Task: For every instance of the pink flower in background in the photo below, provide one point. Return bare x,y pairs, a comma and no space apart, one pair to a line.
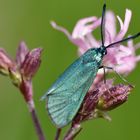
22,70
121,58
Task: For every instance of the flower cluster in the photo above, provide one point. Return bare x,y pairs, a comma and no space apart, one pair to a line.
22,69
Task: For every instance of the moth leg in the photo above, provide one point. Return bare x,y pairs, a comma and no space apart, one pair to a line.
120,76
110,68
104,67
104,73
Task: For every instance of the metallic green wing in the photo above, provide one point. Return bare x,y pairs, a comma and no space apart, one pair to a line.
68,92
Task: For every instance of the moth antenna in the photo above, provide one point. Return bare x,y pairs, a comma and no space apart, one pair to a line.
102,24
123,40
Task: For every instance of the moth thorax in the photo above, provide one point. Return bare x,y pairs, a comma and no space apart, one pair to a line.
98,57
100,53
102,50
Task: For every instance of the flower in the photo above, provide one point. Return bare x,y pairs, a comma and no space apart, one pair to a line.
122,58
97,103
103,98
31,63
22,70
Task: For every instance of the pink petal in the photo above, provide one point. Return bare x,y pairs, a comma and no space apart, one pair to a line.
31,63
5,62
81,42
124,26
126,50
59,28
108,38
126,65
82,36
121,22
110,24
131,46
94,43
21,53
110,58
85,26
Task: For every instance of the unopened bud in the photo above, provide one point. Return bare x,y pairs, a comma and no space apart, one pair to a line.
31,63
5,62
100,100
21,53
114,97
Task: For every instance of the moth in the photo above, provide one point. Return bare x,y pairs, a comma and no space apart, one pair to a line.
65,96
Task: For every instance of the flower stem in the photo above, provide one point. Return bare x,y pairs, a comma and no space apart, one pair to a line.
58,132
36,121
37,125
27,91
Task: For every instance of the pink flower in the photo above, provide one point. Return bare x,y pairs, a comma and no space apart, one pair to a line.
121,58
22,70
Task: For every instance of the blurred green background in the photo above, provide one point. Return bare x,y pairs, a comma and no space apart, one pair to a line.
29,20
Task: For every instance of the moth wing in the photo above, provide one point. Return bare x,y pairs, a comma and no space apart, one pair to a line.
67,93
70,71
65,101
63,107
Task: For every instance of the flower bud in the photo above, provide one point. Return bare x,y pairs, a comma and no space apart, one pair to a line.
103,98
31,63
21,53
114,97
5,62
